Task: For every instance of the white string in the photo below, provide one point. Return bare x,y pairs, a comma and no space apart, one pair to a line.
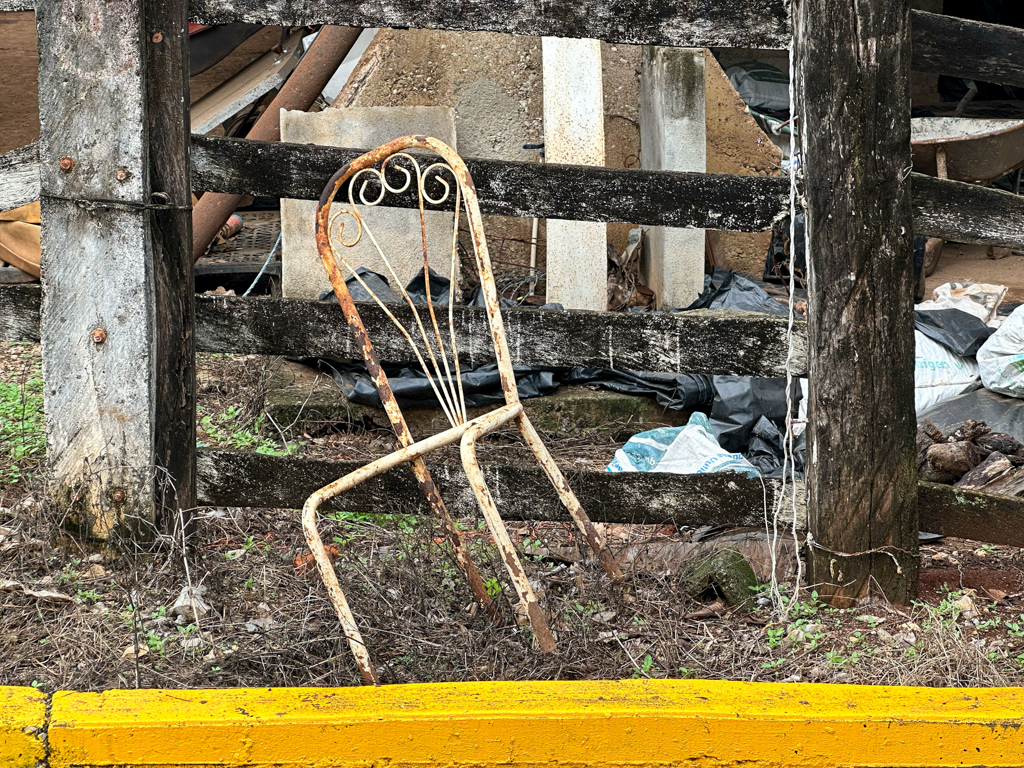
788,464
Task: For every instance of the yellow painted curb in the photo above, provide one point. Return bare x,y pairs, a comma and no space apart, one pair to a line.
22,727
572,724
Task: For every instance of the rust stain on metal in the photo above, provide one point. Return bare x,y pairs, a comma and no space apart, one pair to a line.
447,388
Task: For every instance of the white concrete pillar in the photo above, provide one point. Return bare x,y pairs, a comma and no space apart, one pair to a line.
577,257
673,138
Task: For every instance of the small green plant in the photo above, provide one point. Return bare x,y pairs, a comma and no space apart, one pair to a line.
836,659
646,667
775,636
225,430
773,664
90,596
22,439
155,642
493,587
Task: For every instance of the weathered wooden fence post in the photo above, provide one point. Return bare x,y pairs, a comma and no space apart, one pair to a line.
853,92
118,297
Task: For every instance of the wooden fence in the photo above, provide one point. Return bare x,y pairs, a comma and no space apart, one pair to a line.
115,165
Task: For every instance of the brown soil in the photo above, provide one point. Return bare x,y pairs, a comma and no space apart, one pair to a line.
969,263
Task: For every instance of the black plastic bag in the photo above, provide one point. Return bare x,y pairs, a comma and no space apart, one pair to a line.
740,402
955,329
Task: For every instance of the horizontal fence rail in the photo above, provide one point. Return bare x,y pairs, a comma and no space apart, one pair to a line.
702,341
947,45
695,24
942,208
235,479
954,210
506,188
944,45
19,176
967,213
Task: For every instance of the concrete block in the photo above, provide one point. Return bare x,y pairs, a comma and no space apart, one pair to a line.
673,138
397,231
577,257
298,394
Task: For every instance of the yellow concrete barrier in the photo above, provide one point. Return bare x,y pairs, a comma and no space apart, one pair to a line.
635,723
22,726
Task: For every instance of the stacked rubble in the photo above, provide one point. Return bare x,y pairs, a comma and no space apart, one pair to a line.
971,456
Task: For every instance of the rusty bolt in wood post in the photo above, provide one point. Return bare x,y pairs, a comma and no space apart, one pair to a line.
122,175
158,37
66,164
119,495
99,336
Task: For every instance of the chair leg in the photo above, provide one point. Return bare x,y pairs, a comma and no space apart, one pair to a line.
538,623
595,539
334,591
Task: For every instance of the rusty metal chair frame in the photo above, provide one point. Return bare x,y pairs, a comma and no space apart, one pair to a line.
444,378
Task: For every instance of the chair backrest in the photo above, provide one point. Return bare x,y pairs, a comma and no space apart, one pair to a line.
365,182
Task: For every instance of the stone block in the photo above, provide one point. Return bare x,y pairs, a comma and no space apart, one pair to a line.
397,231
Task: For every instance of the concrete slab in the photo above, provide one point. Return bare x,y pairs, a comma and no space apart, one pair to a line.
396,230
297,393
577,256
673,138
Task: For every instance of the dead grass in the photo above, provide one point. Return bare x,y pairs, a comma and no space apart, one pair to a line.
73,616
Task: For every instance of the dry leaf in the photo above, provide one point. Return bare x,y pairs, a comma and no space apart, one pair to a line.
7,585
129,652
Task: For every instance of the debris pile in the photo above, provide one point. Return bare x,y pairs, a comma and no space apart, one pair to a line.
971,456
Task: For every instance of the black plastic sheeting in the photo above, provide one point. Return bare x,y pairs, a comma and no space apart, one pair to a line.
766,450
482,385
999,412
725,289
955,329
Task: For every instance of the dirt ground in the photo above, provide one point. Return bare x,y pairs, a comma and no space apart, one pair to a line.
969,263
74,615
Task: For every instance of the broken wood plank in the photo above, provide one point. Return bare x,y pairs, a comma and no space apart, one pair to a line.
583,193
852,63
974,50
522,492
703,341
19,177
697,24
